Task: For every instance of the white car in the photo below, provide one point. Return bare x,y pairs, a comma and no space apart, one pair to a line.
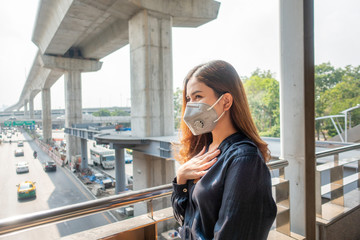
19,152
22,167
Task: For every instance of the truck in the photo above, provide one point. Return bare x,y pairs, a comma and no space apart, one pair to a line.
103,157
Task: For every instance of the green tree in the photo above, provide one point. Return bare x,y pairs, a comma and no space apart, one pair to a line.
263,96
119,112
335,90
326,77
102,113
344,95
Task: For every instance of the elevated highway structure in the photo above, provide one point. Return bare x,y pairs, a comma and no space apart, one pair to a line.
72,37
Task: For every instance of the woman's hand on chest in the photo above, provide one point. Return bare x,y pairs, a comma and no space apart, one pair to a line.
197,167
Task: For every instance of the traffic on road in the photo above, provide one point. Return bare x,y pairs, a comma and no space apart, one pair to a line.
30,183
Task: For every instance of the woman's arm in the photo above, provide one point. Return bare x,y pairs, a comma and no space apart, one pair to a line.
179,199
247,209
191,170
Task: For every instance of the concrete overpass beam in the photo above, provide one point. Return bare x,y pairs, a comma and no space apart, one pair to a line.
186,13
151,74
70,64
113,37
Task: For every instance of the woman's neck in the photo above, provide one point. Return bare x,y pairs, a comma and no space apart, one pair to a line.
222,130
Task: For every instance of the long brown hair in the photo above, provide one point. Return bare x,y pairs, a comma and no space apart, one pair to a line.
222,78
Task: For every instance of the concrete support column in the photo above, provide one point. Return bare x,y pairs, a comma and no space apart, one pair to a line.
120,175
150,171
26,108
73,110
46,114
73,104
151,74
151,94
73,101
297,111
31,108
84,154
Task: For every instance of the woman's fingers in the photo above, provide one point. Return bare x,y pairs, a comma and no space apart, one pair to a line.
210,155
207,165
199,165
200,174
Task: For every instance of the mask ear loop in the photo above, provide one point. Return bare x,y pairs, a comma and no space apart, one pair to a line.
219,117
215,102
214,105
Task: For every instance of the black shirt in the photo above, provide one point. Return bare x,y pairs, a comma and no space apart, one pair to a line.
233,200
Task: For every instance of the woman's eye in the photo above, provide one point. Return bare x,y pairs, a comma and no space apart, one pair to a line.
197,97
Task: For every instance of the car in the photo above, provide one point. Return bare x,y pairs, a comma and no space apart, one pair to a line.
19,152
49,166
22,167
20,144
26,189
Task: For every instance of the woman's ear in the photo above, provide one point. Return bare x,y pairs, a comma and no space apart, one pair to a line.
228,101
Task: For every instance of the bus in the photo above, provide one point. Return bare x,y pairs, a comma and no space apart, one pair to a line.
103,157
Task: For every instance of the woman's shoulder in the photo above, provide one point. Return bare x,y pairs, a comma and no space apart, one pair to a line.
242,149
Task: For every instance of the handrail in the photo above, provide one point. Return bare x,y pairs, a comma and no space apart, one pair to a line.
56,215
337,150
276,164
60,214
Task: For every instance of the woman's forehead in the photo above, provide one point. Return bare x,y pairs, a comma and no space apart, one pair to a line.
195,85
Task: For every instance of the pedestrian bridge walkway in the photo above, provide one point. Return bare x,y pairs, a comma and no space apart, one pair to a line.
337,210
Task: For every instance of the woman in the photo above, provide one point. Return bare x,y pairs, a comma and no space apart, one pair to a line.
222,190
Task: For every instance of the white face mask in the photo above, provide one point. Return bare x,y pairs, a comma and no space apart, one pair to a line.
200,117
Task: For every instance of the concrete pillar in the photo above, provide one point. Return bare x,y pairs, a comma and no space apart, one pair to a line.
25,108
151,74
73,106
46,114
297,111
150,171
73,110
84,154
151,94
120,175
31,108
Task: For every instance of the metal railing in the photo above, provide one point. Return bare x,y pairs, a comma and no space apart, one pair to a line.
336,151
337,180
57,215
281,195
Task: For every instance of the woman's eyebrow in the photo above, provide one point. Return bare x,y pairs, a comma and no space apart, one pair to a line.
193,93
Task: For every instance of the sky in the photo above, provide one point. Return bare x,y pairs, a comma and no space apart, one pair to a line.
246,34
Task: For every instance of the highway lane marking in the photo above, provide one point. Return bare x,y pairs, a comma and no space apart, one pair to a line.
82,191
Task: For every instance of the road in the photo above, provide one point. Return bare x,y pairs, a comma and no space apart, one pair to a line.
54,189
59,134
